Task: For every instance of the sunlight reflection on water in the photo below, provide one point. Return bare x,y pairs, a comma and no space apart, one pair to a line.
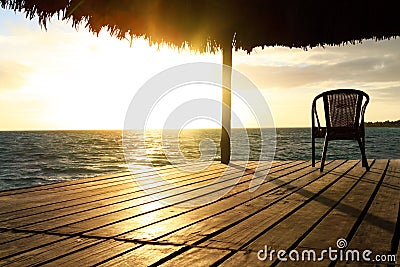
34,158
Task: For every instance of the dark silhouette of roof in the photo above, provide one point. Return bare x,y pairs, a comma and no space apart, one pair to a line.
208,24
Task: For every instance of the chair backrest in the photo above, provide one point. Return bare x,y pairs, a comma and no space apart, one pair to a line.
344,107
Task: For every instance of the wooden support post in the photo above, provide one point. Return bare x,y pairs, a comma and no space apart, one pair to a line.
226,103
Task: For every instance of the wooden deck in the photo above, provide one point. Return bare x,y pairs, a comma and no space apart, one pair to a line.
111,221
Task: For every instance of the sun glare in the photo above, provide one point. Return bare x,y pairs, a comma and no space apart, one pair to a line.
64,78
101,88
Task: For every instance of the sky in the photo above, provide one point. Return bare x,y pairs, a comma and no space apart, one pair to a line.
67,78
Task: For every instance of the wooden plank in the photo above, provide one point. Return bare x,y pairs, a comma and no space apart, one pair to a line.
248,258
44,212
283,201
171,218
235,232
8,236
144,255
66,186
382,216
120,190
284,235
58,211
69,207
164,213
379,225
96,179
99,251
224,209
26,244
194,257
68,192
49,253
10,202
61,184
339,222
213,228
346,213
93,219
296,204
16,202
292,229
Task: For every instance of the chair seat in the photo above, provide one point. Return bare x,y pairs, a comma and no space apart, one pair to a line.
319,132
339,133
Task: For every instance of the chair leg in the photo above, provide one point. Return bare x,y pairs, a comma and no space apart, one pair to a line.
361,144
324,154
313,152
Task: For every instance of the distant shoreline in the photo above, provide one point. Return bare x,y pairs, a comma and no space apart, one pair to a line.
384,124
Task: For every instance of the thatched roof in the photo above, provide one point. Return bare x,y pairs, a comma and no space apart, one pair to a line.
208,24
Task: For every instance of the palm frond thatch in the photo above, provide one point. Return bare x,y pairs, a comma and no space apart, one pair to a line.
208,24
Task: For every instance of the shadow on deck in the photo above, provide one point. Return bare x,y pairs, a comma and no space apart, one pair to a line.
112,221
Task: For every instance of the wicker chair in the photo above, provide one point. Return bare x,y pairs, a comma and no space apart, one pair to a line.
344,116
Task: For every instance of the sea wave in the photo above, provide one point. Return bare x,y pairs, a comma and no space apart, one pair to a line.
40,157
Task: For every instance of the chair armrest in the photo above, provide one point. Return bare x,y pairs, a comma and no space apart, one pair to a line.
314,114
364,107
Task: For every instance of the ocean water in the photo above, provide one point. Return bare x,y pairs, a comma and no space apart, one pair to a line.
41,157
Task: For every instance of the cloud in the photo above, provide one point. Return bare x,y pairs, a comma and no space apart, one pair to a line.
12,75
368,69
390,94
361,64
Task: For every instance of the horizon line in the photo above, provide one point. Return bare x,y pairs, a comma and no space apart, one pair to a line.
211,128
